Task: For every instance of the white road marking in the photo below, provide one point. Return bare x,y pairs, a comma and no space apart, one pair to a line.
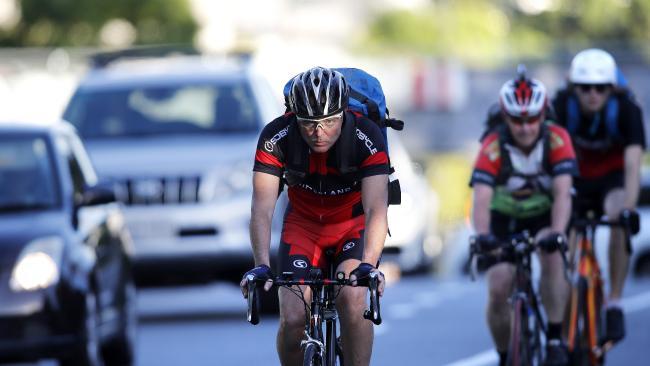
484,358
630,305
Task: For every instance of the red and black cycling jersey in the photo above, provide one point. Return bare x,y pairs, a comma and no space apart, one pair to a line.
598,153
559,159
324,195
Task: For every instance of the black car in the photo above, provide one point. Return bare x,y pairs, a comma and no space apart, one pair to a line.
66,289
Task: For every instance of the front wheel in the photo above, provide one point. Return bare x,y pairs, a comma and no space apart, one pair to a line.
519,352
312,356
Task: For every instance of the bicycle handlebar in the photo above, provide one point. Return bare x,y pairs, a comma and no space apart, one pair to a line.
252,316
584,223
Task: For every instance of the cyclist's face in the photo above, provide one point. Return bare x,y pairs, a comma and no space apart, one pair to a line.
321,134
524,130
592,97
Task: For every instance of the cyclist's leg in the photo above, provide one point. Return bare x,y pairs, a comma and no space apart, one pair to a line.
356,332
618,255
500,278
618,267
297,253
554,288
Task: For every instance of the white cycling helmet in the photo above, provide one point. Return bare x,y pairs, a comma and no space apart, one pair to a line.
593,66
523,97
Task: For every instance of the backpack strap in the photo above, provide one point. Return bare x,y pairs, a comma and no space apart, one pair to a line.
572,114
297,156
611,118
371,107
346,152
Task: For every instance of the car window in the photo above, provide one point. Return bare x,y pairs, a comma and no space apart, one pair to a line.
158,110
27,179
76,166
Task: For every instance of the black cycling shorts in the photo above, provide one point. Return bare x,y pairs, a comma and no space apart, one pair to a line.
591,193
504,227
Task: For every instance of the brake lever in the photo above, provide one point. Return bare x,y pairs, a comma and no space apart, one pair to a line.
252,315
373,313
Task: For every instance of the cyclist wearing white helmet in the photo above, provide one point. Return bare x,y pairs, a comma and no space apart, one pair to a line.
330,209
606,126
521,181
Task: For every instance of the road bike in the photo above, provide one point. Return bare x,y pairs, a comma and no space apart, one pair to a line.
586,333
528,320
320,348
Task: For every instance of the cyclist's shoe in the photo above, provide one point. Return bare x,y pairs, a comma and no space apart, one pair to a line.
557,353
615,322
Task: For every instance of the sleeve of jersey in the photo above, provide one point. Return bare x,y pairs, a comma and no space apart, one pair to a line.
374,158
562,157
634,133
268,156
488,162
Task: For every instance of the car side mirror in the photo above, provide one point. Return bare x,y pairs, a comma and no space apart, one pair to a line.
98,195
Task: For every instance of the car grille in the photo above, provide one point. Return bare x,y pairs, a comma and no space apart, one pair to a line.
157,190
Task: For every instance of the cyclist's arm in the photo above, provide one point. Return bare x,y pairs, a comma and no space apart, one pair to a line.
265,195
561,210
374,197
632,160
482,197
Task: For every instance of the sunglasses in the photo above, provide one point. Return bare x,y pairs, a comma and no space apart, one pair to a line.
519,121
311,125
586,88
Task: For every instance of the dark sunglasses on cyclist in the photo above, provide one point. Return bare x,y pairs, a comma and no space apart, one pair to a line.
586,88
531,120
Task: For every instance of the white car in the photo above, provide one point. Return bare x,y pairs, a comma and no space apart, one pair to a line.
413,243
177,137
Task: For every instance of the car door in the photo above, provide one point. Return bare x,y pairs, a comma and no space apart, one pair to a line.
92,225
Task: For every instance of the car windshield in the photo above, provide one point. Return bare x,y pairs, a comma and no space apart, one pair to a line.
27,179
159,110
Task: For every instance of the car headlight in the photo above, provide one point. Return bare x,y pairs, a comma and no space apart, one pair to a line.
227,182
38,264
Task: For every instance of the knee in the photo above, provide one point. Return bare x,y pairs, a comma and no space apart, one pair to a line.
351,304
498,294
291,322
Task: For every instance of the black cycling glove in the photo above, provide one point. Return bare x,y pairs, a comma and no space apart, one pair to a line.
630,220
552,242
261,273
485,243
362,273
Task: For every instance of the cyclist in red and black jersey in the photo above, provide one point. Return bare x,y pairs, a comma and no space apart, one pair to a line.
522,180
606,126
336,167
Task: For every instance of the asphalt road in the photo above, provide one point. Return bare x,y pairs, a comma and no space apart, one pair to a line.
427,322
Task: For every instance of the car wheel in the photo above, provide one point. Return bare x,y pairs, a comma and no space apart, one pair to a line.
87,352
120,351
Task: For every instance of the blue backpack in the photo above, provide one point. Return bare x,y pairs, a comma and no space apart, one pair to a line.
366,97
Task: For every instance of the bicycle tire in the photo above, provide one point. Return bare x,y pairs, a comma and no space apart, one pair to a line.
312,356
519,340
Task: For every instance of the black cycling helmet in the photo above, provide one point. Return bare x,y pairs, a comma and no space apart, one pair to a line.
317,93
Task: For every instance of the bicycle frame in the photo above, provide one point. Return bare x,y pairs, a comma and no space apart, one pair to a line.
526,307
321,311
586,296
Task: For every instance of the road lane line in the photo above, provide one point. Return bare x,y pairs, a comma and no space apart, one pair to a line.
630,304
484,358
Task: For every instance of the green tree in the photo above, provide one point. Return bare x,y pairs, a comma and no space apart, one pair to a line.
78,23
